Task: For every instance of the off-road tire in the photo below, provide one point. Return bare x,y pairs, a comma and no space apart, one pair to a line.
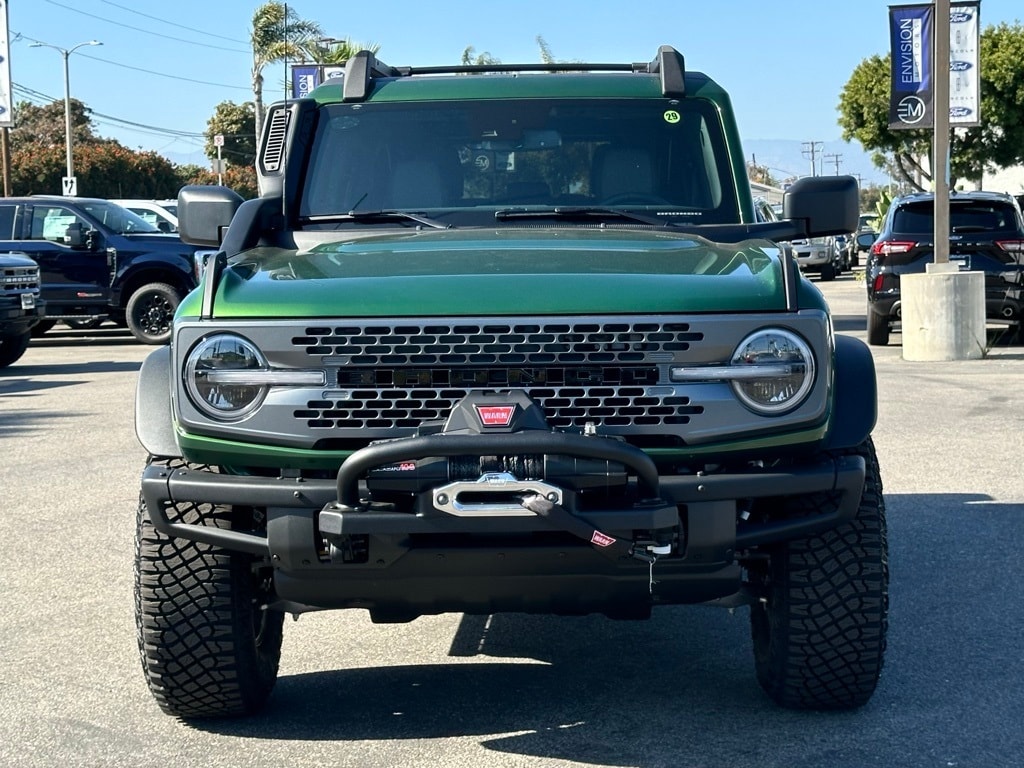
878,329
819,629
12,347
150,311
208,648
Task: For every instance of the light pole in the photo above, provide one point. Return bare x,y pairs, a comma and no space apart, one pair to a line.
66,53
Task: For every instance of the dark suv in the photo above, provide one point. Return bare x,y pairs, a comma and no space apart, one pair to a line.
98,261
20,307
986,234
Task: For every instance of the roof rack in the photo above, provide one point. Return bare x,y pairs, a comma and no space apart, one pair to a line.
364,67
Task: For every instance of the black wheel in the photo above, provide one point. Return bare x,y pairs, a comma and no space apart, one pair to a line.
209,647
878,329
819,627
12,347
150,311
828,272
42,327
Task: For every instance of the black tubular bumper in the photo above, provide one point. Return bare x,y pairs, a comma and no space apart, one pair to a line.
708,503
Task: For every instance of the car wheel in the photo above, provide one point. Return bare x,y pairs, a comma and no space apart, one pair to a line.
878,329
828,272
819,627
209,646
150,311
42,327
12,347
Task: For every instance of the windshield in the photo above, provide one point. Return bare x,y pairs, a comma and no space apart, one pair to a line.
119,219
465,158
964,216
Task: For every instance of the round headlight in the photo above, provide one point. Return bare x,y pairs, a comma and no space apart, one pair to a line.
212,376
781,371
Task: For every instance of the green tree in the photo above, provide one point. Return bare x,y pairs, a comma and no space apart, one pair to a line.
336,51
278,34
471,58
241,178
237,124
44,125
104,168
997,143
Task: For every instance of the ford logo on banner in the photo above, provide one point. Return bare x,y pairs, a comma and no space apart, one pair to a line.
960,17
960,111
959,66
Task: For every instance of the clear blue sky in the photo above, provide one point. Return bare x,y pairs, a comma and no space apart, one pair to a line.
165,66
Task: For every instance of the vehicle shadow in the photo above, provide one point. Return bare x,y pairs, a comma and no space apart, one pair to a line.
680,690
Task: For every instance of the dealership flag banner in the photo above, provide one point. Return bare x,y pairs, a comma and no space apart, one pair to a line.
6,105
964,66
306,77
911,29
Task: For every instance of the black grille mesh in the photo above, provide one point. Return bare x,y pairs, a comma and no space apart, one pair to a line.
395,377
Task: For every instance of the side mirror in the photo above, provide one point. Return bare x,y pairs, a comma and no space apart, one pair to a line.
78,237
828,204
865,240
204,213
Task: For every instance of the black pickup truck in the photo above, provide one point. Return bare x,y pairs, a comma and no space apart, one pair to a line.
99,261
20,307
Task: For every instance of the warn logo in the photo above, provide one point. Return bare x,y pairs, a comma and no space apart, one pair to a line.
495,415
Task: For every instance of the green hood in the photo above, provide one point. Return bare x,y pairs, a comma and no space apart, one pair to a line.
502,272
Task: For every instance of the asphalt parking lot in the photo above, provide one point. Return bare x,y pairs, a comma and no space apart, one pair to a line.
513,690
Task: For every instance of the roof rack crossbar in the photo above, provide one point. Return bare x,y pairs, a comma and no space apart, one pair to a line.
362,68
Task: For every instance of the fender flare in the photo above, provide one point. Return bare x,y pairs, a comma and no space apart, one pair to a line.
855,409
154,422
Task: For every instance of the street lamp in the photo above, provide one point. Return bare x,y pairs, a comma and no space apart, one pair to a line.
66,53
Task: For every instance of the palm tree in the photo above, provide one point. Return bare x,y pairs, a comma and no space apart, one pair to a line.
336,52
278,34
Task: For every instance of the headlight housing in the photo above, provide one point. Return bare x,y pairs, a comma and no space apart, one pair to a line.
774,371
219,376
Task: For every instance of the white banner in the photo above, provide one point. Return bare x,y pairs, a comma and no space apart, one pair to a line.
6,104
964,65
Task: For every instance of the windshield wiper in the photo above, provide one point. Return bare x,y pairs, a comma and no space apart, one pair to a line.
578,212
383,215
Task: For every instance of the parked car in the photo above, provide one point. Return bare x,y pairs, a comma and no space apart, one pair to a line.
816,256
868,224
20,306
844,253
162,214
986,234
99,261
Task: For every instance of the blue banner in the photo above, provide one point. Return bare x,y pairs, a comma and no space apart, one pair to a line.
304,80
911,30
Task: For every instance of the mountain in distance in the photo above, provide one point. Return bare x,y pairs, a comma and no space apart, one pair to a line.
786,159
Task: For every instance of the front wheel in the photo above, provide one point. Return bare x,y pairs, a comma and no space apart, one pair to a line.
819,627
12,347
150,311
209,645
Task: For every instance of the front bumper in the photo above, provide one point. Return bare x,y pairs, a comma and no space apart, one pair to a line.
439,559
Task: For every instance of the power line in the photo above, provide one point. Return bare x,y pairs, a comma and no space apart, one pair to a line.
172,24
146,31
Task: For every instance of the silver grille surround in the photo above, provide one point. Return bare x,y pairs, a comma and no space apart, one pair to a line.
386,377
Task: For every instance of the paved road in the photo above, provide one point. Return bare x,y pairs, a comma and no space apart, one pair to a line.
676,691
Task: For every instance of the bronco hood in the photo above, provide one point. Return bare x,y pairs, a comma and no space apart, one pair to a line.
503,272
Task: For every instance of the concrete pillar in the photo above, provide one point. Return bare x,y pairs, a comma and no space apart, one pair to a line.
943,314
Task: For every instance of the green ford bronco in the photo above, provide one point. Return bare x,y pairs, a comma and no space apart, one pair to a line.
507,338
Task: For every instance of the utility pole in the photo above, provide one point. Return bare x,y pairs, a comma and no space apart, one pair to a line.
810,150
833,158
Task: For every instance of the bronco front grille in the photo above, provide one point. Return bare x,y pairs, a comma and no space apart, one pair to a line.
15,280
395,377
